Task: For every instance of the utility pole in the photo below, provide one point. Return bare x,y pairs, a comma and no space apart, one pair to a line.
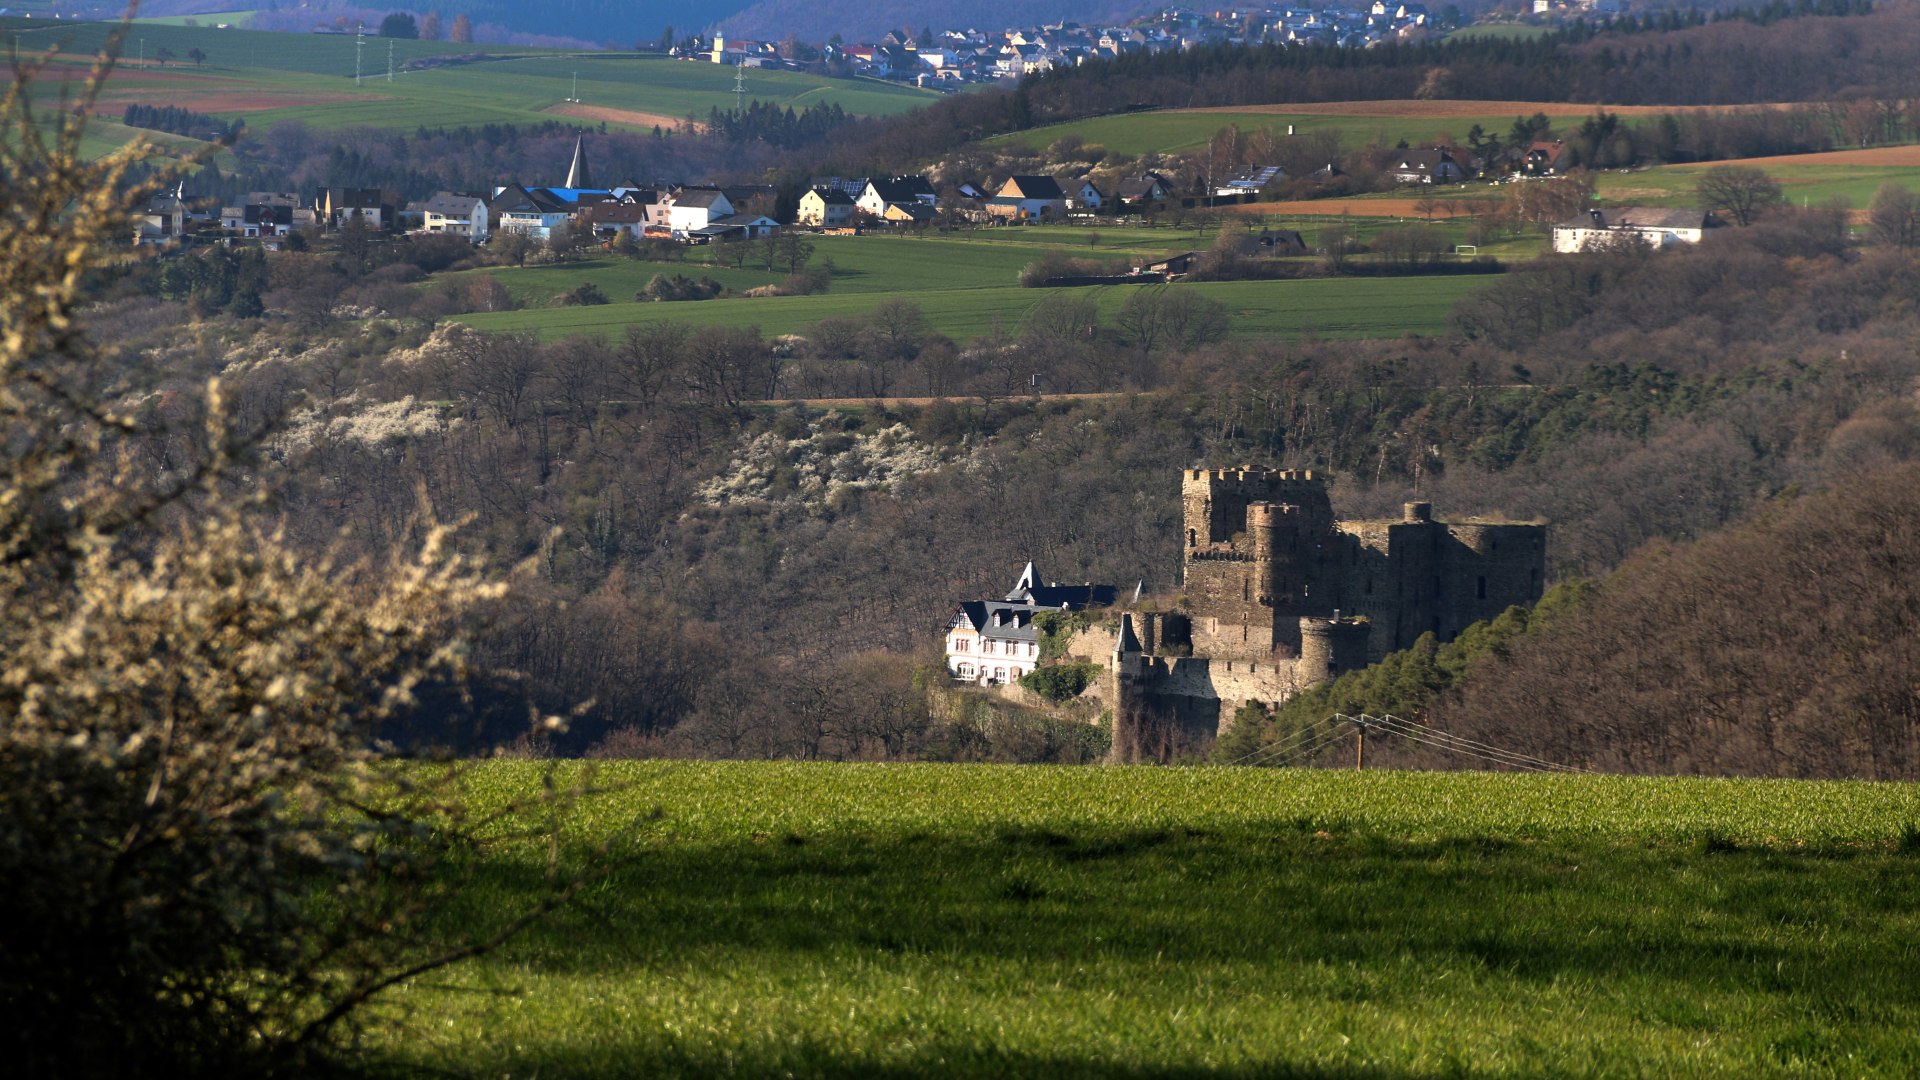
1360,744
359,52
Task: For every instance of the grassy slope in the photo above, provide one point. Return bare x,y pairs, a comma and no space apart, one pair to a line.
1673,185
1180,132
1341,307
906,920
512,91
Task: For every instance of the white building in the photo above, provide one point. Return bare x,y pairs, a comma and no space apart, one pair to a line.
1657,226
995,642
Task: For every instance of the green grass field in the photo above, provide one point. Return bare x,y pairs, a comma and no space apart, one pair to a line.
1333,307
1174,132
875,920
1673,185
269,77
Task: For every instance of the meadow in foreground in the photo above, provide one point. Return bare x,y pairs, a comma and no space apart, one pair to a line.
834,920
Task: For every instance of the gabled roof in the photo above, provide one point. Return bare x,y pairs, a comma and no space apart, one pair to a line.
699,197
448,204
833,196
1139,187
1035,187
901,188
1639,217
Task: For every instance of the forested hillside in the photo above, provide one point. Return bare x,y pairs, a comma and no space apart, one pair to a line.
1775,56
741,579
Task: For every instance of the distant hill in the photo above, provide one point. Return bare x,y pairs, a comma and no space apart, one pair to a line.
596,21
599,21
771,19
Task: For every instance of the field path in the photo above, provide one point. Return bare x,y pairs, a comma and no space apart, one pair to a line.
616,116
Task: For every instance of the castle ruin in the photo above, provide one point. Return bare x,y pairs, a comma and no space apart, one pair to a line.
1279,595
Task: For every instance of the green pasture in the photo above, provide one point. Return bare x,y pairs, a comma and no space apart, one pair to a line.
518,86
317,54
759,919
211,18
1179,132
1330,307
1674,185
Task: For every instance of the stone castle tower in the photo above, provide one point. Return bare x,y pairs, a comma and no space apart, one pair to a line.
1278,595
1263,551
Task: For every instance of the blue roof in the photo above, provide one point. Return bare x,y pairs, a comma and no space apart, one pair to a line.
572,195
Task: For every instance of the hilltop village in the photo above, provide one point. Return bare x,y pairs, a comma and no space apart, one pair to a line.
955,57
1276,595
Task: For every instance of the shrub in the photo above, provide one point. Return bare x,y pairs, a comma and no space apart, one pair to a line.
1060,682
209,867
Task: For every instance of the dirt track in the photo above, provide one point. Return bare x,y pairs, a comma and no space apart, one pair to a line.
1876,155
616,116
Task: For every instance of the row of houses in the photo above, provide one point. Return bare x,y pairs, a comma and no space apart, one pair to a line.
834,201
972,55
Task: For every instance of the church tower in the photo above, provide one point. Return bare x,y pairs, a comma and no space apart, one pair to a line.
577,175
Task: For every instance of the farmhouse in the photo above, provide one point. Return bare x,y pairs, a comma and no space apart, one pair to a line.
455,214
883,192
1029,198
1435,166
829,208
1658,226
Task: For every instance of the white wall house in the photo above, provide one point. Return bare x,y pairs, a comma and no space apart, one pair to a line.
1657,226
693,209
457,215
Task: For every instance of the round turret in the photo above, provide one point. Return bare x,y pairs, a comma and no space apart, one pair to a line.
1329,647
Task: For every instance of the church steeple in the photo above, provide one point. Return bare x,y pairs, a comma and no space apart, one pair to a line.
577,175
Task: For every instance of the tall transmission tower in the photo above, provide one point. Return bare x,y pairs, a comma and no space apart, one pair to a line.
740,88
359,52
389,59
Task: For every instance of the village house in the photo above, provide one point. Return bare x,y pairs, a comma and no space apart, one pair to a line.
1435,166
1088,196
164,220
691,209
455,214
1658,226
1029,198
536,212
1137,192
334,207
826,208
884,191
995,642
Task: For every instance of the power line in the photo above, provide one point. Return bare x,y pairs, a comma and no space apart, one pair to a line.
1442,740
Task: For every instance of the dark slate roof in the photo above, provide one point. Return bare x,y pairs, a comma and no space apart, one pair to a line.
833,196
902,188
1639,217
1038,187
1015,620
699,197
1138,187
448,204
1071,597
